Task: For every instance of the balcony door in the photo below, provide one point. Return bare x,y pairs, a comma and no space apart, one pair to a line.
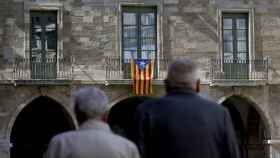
235,46
139,35
43,44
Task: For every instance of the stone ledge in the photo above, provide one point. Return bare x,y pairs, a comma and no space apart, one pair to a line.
159,82
129,82
238,83
36,82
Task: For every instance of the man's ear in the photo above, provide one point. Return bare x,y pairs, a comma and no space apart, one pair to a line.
81,117
198,86
104,117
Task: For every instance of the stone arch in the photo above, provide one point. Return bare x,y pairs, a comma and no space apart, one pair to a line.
115,101
250,123
60,100
264,116
27,110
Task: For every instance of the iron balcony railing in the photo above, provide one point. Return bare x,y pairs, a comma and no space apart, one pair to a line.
117,69
48,69
239,70
220,70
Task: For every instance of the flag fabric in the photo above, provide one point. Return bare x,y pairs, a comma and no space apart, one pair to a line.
142,74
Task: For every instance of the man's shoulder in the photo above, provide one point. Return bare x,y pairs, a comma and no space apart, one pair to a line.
213,106
64,135
122,140
147,104
208,101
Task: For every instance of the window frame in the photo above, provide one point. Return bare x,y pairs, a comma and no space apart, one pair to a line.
139,10
43,6
234,29
251,32
43,36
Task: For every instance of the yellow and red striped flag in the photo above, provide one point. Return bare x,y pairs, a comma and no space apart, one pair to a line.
142,74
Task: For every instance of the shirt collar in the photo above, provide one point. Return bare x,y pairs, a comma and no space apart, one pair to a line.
181,91
95,125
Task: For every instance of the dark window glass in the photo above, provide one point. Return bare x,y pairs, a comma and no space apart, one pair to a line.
43,34
43,44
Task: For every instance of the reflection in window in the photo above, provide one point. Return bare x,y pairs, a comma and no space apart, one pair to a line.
148,19
228,46
228,56
50,39
36,42
241,46
241,56
227,24
235,36
242,35
139,33
228,35
43,34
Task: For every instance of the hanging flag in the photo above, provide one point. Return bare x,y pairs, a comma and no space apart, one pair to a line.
142,75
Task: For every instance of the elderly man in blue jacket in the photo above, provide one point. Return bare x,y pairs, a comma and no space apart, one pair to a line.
182,124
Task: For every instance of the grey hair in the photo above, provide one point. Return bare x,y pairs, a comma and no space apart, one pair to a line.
182,73
91,101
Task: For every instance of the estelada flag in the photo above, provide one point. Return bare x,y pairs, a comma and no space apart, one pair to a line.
142,71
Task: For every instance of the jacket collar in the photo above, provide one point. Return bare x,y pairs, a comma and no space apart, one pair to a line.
176,91
95,125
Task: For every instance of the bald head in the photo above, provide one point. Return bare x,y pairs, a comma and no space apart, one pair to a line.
183,73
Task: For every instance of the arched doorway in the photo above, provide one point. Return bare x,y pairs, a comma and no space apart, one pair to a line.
35,125
249,127
121,115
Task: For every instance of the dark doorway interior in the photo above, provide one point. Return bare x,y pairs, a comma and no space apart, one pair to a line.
36,124
122,114
248,126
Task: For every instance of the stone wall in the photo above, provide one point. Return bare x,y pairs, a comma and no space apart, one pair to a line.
91,30
263,98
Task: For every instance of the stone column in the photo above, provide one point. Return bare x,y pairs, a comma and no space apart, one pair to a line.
5,146
274,148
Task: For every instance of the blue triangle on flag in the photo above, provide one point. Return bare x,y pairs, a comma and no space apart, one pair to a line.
142,63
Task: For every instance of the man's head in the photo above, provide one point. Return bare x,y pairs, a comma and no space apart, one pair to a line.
90,103
183,73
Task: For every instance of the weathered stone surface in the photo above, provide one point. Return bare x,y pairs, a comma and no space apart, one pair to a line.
171,1
91,30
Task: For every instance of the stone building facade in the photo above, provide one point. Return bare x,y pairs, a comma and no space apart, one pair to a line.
49,48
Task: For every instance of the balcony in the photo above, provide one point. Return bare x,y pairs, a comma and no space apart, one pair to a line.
119,72
49,71
222,72
239,72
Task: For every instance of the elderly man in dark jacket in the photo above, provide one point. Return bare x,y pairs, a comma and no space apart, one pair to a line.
182,124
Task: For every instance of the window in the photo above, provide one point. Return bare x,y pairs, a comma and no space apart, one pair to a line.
235,36
139,35
43,44
235,46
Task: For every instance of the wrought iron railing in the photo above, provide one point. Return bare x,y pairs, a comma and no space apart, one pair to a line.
239,70
48,69
117,69
220,70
